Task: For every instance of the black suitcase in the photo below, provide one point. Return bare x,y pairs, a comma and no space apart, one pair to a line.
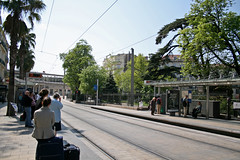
71,152
51,149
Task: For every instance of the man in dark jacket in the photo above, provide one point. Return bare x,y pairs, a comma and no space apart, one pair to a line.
185,105
26,102
153,105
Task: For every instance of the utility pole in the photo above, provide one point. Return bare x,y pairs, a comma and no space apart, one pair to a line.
97,94
132,78
64,88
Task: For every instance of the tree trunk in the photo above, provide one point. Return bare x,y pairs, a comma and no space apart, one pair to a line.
11,93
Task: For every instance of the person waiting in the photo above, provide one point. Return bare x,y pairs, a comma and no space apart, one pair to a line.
56,106
26,102
197,110
185,106
44,120
43,93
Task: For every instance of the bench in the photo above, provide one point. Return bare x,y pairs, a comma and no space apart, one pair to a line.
172,112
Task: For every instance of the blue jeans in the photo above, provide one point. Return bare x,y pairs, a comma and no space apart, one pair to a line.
28,121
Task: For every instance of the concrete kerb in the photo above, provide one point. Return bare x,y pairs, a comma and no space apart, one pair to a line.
190,126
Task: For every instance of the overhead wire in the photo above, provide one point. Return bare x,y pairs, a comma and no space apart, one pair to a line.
114,52
53,54
88,30
81,34
92,25
47,26
135,43
130,45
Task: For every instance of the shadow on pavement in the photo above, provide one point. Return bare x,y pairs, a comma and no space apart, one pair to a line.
78,133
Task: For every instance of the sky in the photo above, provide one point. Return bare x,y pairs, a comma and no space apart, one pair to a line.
127,24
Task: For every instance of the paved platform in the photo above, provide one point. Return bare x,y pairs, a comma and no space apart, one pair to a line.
213,125
16,141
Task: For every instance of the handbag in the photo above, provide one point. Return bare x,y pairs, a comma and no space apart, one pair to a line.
23,116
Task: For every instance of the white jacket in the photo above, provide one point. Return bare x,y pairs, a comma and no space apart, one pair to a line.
56,106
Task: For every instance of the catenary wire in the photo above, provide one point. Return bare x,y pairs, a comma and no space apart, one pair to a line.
92,25
135,43
47,26
114,51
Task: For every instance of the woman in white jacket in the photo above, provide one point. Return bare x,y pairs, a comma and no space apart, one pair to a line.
56,106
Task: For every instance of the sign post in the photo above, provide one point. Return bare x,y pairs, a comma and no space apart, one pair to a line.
96,89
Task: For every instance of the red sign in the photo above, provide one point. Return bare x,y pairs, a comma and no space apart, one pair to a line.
35,75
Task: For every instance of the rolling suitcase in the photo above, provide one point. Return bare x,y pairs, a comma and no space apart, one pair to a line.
71,152
51,149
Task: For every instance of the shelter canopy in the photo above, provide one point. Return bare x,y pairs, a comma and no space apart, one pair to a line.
204,82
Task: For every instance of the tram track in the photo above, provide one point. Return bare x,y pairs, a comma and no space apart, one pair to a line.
136,145
108,155
116,136
160,131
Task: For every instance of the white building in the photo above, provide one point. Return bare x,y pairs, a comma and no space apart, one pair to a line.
3,54
117,62
39,80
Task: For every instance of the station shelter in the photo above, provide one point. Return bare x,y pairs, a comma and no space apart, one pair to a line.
174,97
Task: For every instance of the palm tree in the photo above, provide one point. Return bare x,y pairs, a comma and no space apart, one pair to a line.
29,58
27,41
14,25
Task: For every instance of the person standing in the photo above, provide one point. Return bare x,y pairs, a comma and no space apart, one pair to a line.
33,104
20,107
26,102
44,120
56,106
185,105
159,104
43,93
153,105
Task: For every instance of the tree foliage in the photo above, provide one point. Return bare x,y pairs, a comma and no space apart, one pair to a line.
88,78
110,86
158,68
123,80
212,37
25,57
76,60
15,25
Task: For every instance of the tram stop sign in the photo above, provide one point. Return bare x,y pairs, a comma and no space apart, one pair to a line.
95,87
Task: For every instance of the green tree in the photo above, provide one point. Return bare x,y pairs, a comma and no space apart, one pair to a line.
111,89
75,61
25,52
29,58
88,78
157,68
123,80
14,25
110,86
213,37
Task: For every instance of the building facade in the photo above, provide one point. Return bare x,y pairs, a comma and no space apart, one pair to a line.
117,62
39,80
3,55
